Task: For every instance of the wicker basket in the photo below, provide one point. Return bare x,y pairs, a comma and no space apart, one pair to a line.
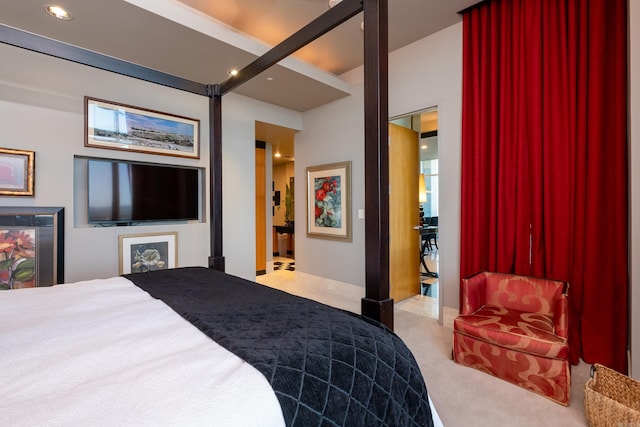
611,399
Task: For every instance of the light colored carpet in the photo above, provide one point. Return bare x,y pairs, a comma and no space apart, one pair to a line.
462,396
467,397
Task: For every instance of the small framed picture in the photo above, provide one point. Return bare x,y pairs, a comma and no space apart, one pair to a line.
32,242
329,201
140,253
16,172
124,127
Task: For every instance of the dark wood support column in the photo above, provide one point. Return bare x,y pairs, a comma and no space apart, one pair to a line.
216,259
376,304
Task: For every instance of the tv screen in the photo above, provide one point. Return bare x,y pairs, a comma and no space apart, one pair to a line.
127,192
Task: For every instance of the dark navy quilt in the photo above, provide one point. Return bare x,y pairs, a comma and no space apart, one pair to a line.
328,367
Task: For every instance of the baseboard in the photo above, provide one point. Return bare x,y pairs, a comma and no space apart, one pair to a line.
448,316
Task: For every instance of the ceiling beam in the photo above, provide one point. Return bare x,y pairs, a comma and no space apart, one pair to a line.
47,46
316,28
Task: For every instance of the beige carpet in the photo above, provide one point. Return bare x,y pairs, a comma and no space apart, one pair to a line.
462,396
466,397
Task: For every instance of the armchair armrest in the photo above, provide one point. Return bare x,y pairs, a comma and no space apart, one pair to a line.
561,314
472,293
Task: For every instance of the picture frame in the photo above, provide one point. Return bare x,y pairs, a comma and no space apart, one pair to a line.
125,127
140,253
33,239
329,201
17,172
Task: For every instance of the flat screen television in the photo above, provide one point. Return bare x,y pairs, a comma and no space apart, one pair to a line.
122,192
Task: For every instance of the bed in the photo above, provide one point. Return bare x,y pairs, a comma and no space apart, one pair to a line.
194,346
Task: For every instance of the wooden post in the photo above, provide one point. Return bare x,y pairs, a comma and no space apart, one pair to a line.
216,259
376,304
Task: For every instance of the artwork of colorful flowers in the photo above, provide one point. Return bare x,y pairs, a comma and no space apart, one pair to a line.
328,202
17,258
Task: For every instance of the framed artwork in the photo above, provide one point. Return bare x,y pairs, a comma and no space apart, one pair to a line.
124,127
31,247
329,201
16,172
140,253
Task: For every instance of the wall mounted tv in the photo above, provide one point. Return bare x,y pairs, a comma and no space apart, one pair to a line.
125,193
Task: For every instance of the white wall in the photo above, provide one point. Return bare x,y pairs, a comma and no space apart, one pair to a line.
425,74
332,133
634,163
239,115
42,109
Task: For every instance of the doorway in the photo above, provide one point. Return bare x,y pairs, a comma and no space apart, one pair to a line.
427,295
275,230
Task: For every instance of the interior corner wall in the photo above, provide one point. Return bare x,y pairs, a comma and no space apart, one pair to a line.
634,166
424,74
42,109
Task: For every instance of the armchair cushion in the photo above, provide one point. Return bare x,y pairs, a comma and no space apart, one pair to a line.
529,332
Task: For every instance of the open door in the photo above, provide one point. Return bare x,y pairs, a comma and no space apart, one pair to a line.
404,236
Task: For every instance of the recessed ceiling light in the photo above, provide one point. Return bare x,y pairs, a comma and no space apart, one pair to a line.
58,12
232,72
269,79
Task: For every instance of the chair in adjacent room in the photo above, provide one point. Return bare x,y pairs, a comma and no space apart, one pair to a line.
432,236
516,328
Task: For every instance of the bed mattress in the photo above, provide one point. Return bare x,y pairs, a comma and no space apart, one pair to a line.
194,346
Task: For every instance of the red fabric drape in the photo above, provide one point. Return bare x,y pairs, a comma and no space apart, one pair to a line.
544,156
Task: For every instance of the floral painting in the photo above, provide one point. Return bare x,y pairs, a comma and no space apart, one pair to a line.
329,201
31,246
149,256
17,258
141,253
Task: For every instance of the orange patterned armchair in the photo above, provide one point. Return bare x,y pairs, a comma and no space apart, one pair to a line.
516,328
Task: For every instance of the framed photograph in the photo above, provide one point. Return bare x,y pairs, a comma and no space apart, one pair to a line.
140,253
329,201
16,172
124,127
31,247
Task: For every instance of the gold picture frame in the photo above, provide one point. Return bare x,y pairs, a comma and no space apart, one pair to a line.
17,172
329,201
140,253
125,127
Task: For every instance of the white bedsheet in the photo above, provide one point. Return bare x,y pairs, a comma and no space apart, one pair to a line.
103,353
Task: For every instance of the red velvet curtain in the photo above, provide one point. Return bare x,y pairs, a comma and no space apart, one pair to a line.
544,157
